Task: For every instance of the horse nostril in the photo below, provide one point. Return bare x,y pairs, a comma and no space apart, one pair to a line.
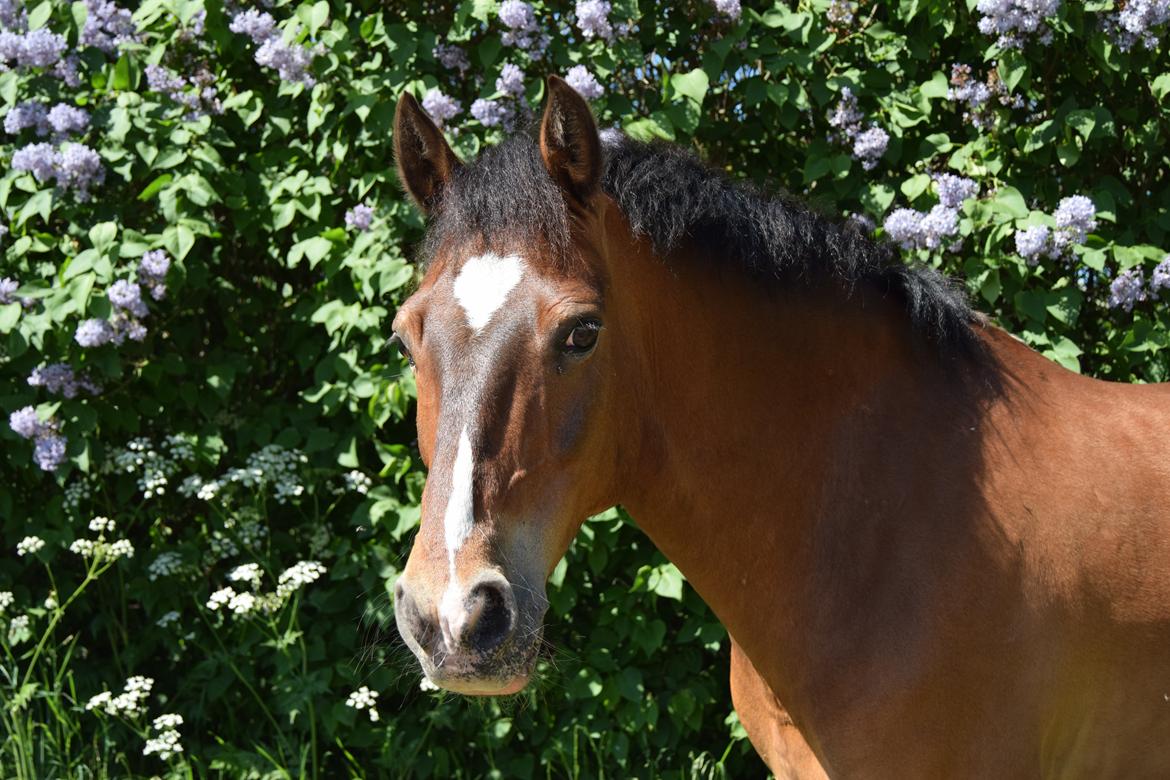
491,615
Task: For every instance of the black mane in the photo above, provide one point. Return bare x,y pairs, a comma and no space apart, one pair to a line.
672,198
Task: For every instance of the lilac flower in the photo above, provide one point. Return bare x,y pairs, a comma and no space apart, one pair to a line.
360,217
56,378
80,168
126,327
257,25
1135,23
1014,21
127,295
522,31
841,12
24,422
1075,216
106,26
904,226
939,223
40,49
290,61
64,119
870,145
28,113
517,15
1127,289
13,16
8,287
94,333
729,8
1032,243
451,57
41,160
511,80
440,106
1161,278
977,96
489,112
152,271
49,451
580,79
953,190
846,116
67,70
593,19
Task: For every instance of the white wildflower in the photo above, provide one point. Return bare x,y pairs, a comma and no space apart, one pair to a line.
248,572
29,545
101,524
364,699
220,598
167,619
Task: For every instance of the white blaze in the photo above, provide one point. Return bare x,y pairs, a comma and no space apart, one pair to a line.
483,285
457,521
461,502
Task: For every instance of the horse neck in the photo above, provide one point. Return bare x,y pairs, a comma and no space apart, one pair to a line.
769,425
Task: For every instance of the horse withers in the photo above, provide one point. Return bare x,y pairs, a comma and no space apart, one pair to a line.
937,553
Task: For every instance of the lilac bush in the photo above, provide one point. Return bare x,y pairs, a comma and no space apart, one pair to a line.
209,464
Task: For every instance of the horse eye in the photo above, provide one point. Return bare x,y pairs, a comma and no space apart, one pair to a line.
402,350
582,338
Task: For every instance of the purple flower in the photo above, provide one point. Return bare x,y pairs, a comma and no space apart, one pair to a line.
290,61
67,70
257,25
64,119
593,19
1032,243
152,271
13,16
1014,21
80,168
904,226
40,49
1161,278
870,145
440,106
841,13
93,333
56,378
729,8
489,112
953,190
1127,289
41,160
1076,216
1135,23
517,15
27,114
939,223
128,328
106,26
8,287
451,57
511,80
846,116
360,217
127,295
580,79
49,451
24,423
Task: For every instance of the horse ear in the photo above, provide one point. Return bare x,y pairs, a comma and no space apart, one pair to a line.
569,142
425,161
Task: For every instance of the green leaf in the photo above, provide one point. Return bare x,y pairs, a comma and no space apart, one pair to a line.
152,189
38,16
1009,202
915,185
692,85
667,581
102,235
1161,86
650,128
9,316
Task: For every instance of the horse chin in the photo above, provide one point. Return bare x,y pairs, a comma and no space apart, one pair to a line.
488,687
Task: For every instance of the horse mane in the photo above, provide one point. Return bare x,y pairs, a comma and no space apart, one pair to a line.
673,199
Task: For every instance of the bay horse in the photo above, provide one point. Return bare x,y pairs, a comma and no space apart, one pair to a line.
937,553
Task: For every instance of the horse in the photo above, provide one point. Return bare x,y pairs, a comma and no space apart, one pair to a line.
936,552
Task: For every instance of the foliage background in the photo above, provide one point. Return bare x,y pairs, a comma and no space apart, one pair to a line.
274,331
